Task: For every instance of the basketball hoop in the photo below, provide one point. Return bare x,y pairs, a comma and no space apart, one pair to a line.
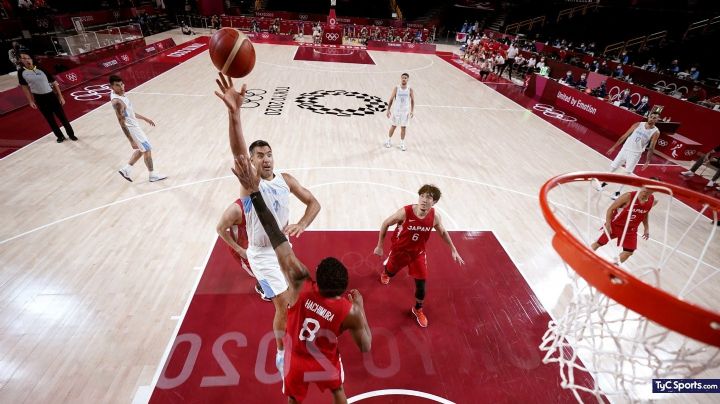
648,318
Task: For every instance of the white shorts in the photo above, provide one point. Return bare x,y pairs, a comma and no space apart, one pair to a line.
265,266
630,159
140,139
400,118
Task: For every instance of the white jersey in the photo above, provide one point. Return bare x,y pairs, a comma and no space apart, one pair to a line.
130,119
402,99
276,194
639,139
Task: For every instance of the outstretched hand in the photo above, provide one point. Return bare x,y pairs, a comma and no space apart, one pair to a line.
355,297
246,174
232,98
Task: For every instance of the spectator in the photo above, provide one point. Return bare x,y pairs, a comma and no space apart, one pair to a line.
485,68
540,64
43,93
624,99
643,106
697,94
568,79
520,64
512,53
604,68
14,55
530,67
650,65
674,67
694,73
464,27
600,91
499,64
618,72
186,30
582,83
624,58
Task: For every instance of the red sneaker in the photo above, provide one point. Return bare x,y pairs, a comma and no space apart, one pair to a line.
420,317
384,278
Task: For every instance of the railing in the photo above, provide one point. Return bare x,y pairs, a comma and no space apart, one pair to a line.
570,12
640,41
91,40
529,23
703,25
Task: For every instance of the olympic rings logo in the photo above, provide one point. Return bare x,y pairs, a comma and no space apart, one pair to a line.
551,112
91,93
615,94
690,152
265,35
332,36
252,98
125,57
662,142
72,77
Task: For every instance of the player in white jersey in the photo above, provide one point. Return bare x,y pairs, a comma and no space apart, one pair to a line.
635,141
128,119
276,190
400,109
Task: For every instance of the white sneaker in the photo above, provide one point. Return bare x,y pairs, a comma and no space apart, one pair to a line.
157,177
596,184
710,184
125,174
388,144
687,173
615,196
402,147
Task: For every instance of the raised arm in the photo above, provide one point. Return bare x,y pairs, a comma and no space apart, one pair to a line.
356,322
233,101
446,238
395,218
294,270
312,206
232,216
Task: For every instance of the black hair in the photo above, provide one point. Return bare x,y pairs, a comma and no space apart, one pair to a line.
258,143
405,74
332,277
432,190
24,51
115,79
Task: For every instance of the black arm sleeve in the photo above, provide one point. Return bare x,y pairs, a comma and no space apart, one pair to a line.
21,79
268,220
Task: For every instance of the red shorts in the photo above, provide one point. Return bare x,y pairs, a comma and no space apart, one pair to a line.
244,264
301,372
616,232
416,263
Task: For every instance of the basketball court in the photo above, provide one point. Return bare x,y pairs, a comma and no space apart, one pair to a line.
121,292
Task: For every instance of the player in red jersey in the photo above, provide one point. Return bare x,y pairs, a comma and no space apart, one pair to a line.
617,225
318,311
231,228
414,224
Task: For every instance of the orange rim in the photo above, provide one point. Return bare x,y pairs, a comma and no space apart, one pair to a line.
655,304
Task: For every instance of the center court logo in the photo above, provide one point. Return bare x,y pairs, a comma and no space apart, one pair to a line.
551,112
91,93
332,36
311,102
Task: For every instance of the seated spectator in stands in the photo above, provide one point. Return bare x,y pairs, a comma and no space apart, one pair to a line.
604,68
618,72
697,94
530,66
545,71
254,26
499,64
418,36
568,79
694,73
215,22
406,36
650,65
594,66
486,66
674,67
628,79
520,64
624,99
464,27
643,106
540,64
582,83
624,58
600,91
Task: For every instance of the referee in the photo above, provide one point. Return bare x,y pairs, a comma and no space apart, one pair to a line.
43,93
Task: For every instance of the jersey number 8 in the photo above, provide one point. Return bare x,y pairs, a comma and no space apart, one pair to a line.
311,332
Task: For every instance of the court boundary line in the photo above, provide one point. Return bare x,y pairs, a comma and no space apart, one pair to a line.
398,392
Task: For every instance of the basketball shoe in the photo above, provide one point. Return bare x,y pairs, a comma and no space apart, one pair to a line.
388,144
125,172
154,176
420,317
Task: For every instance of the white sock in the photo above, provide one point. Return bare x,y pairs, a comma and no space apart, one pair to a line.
127,168
152,173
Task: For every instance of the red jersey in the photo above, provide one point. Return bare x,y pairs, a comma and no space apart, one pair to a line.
411,235
315,321
639,212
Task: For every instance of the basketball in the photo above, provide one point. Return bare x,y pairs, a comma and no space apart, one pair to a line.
232,52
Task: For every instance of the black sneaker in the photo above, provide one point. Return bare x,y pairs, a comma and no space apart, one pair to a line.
73,138
60,139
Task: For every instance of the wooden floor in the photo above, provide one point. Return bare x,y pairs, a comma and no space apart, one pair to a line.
96,270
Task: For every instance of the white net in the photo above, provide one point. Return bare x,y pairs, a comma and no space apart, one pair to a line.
621,349
92,40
